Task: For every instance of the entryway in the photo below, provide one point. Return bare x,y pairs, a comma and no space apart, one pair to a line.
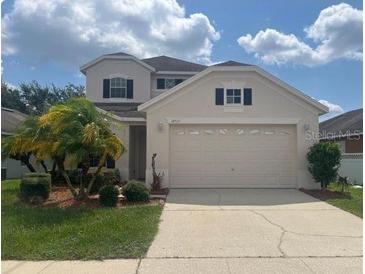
137,152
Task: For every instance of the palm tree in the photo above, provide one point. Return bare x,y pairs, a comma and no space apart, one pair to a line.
78,129
21,146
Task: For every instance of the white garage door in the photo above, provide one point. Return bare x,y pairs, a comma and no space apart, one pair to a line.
232,156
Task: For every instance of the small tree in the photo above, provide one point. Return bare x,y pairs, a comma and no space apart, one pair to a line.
76,130
324,161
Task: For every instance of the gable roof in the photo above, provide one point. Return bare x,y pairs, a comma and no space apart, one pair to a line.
120,53
10,120
166,63
347,123
231,63
309,100
159,63
113,56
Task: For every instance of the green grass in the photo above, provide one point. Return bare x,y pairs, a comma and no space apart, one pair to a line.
35,233
352,203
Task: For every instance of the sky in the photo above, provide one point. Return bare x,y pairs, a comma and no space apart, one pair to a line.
315,46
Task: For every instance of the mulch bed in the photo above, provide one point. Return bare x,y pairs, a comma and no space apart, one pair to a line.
325,194
61,197
163,191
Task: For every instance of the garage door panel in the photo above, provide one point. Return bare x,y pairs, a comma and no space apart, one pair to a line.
187,156
233,156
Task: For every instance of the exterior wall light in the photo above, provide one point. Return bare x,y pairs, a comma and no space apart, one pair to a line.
306,127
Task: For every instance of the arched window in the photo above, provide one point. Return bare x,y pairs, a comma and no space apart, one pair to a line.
118,87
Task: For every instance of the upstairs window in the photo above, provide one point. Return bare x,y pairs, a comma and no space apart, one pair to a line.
247,96
167,83
118,87
233,96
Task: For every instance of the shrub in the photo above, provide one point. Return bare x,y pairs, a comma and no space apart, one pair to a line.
35,187
106,177
343,183
108,195
136,192
324,161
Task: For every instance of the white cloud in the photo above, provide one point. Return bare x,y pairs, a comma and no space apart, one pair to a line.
333,111
337,33
333,108
73,32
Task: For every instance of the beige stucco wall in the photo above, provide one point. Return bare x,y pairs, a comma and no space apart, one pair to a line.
125,68
197,101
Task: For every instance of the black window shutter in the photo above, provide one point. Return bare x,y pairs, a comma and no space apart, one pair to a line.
160,83
247,96
178,81
106,88
219,96
130,88
110,162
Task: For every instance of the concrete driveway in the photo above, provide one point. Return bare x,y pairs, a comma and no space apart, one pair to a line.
253,231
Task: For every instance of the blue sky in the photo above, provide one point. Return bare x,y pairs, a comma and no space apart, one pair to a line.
48,42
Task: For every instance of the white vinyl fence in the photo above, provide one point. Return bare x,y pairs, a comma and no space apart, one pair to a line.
351,167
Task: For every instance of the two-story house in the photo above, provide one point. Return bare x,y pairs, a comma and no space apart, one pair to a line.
228,125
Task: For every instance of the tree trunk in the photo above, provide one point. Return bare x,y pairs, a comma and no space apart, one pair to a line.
92,181
25,160
85,165
54,166
61,168
44,167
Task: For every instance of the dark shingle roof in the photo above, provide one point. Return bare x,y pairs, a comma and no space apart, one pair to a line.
347,123
165,63
10,120
231,63
122,109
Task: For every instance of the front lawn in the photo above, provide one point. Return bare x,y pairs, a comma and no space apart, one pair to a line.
36,233
351,202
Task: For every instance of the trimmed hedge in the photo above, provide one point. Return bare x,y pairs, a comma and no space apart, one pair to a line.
108,196
136,192
35,187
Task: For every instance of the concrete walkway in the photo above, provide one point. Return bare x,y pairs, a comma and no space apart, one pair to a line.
237,231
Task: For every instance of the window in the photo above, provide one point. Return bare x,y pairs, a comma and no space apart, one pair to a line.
160,83
167,83
247,96
110,162
233,96
94,160
118,87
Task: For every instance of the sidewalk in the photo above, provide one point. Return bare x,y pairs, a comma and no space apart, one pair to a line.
192,265
120,266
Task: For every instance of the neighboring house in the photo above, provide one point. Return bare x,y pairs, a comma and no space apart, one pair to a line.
346,130
228,125
10,120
